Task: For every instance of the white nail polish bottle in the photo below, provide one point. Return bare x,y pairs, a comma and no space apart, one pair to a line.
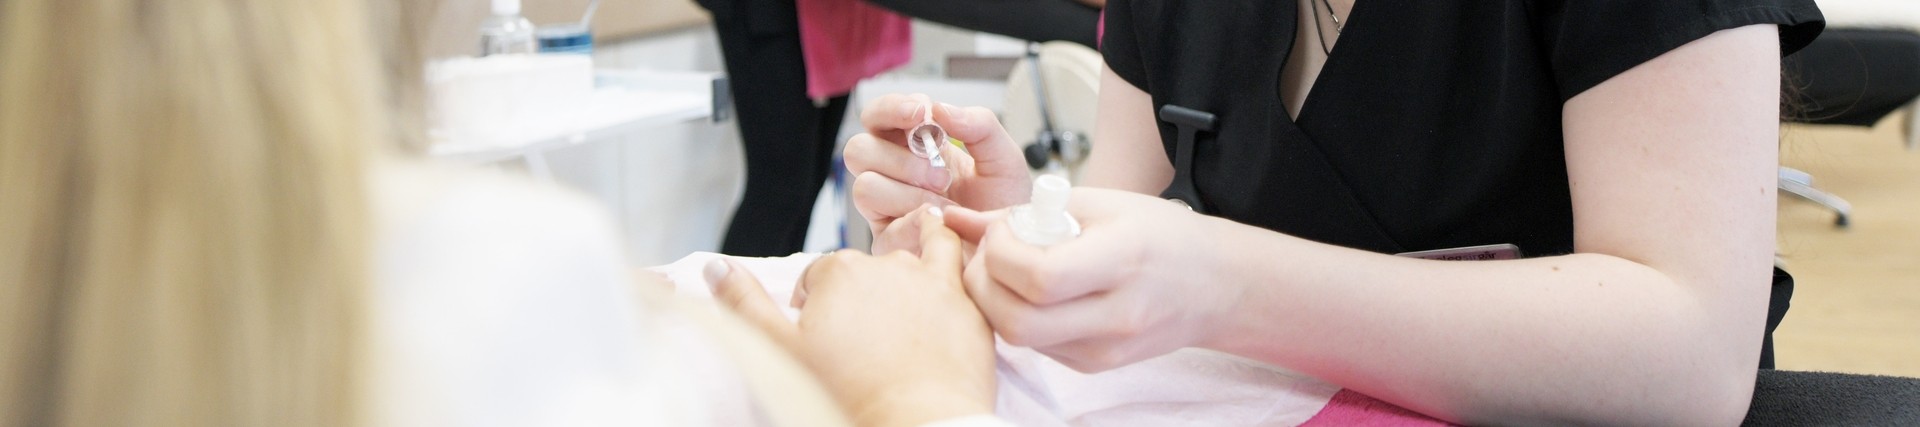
1045,221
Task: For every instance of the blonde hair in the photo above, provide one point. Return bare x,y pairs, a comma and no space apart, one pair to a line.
184,220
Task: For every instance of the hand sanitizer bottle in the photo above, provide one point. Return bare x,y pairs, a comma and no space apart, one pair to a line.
507,32
1045,221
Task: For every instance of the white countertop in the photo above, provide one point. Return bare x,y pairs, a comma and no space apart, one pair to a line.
623,101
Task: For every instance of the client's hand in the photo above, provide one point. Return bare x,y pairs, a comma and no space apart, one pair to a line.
894,337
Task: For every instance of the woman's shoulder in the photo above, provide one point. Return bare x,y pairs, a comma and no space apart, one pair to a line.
482,234
499,302
505,301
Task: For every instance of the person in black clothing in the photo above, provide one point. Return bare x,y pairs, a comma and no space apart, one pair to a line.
1615,159
789,138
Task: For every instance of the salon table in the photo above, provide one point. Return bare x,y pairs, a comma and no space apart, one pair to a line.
623,102
654,146
1193,387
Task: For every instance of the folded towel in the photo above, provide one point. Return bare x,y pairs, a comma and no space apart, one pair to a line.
1190,387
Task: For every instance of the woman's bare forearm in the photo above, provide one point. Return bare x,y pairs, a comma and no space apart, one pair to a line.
1582,338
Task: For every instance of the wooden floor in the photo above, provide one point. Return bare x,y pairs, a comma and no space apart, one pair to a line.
1856,304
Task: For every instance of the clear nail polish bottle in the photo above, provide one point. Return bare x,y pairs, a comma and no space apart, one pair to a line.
925,140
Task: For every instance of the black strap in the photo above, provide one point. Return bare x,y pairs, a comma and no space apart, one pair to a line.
1781,295
1190,122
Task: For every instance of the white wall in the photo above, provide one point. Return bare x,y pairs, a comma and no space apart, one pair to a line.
672,187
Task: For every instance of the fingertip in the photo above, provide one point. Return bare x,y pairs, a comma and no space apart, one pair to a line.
716,272
936,179
934,224
979,123
954,115
969,224
894,112
960,123
962,211
909,109
933,213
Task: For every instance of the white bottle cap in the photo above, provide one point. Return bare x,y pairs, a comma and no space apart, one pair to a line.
1050,196
506,7
1045,221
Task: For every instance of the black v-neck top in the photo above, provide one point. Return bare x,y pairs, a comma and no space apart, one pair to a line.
1434,123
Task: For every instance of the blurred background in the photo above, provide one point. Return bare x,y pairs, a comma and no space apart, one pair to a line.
1856,303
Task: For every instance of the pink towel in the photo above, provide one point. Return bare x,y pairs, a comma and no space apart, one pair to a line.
1100,30
1350,408
844,41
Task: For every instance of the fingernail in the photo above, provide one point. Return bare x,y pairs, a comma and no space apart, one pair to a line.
939,179
908,109
935,211
715,272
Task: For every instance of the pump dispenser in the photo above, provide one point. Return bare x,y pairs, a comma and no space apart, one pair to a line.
1044,221
506,32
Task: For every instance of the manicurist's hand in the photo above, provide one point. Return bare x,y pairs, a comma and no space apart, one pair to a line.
894,337
890,183
1135,284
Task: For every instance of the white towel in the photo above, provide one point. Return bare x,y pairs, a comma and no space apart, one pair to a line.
1189,387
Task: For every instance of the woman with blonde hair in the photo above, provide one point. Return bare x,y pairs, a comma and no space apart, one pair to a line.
204,221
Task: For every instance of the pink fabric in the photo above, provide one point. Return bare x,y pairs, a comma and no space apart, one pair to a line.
1100,30
1349,408
843,41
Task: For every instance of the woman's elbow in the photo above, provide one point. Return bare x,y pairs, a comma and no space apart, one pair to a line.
1694,386
1716,393
1724,398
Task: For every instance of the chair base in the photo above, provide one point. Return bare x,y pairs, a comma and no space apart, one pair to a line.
1799,183
1913,125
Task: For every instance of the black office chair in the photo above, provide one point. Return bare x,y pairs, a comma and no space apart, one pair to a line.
1854,78
1786,398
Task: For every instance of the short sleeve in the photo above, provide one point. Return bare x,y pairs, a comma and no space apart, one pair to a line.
1590,41
1120,43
